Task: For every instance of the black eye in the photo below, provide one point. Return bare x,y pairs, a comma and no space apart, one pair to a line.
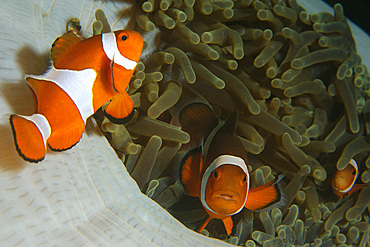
354,172
124,37
215,174
245,179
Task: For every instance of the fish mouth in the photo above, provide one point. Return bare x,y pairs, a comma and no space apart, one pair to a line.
227,195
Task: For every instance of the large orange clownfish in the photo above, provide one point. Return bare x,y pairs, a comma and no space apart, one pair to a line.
84,75
215,167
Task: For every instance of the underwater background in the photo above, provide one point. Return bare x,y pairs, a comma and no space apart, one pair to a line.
357,11
305,130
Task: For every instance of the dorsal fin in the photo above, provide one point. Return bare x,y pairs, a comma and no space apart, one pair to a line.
230,124
62,46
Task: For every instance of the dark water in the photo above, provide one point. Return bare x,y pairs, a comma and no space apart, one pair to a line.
357,11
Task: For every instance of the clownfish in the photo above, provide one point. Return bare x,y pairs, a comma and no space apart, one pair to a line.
343,181
84,75
215,167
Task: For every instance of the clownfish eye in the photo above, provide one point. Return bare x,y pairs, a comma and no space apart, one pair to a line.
245,179
215,174
124,37
354,172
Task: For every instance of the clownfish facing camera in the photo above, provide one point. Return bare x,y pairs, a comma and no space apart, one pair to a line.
215,168
343,181
84,75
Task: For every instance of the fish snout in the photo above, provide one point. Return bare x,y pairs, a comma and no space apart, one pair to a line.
341,182
225,202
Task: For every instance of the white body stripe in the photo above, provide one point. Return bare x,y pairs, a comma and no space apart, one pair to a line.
111,50
219,161
77,84
42,124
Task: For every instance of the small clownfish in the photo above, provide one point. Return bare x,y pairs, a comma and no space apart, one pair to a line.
215,170
343,181
84,75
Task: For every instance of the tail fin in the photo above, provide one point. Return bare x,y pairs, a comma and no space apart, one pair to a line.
198,119
30,135
267,196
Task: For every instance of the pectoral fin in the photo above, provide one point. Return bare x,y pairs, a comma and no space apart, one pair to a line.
356,187
266,196
190,172
120,109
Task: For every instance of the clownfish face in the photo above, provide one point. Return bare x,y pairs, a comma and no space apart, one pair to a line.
344,180
227,189
129,44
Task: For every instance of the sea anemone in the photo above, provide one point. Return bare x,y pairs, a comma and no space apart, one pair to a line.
297,81
296,78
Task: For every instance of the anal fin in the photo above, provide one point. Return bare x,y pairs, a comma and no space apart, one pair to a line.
120,109
65,138
266,196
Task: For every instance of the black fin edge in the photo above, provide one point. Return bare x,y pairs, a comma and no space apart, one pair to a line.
64,149
16,144
120,120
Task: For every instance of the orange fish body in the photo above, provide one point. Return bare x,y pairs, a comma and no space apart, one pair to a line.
343,181
217,171
84,75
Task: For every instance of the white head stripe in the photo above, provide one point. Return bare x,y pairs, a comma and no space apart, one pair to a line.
219,161
42,124
111,50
